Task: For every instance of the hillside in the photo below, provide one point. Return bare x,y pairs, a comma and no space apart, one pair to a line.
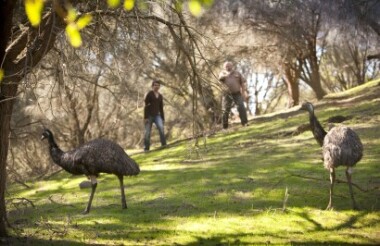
260,184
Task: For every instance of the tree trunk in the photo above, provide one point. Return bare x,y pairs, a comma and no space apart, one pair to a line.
310,71
291,77
293,91
42,40
6,11
209,103
315,78
257,108
9,91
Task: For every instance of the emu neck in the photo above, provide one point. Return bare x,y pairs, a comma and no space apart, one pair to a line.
52,142
55,151
317,129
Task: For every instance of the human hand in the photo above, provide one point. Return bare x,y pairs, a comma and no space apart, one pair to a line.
223,75
226,73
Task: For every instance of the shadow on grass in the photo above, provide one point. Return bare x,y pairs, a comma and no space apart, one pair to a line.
349,223
239,239
220,241
328,243
14,241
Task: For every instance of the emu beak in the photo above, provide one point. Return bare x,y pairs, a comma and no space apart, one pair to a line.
42,137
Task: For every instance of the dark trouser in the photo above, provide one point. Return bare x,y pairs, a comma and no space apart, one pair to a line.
227,104
148,128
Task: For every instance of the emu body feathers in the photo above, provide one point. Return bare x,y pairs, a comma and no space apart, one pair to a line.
94,157
97,156
341,147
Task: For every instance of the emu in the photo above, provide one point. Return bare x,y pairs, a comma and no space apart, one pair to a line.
341,146
94,157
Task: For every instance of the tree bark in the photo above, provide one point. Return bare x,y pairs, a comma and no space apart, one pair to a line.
34,43
310,73
315,78
6,11
291,77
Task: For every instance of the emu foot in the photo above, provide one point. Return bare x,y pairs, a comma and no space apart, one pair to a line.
86,211
330,207
124,206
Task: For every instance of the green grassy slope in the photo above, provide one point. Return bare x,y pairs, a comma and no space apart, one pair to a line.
230,190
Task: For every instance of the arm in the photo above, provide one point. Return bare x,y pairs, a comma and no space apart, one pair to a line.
162,108
243,87
222,76
147,103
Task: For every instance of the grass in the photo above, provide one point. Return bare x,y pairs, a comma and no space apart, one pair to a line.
354,91
229,191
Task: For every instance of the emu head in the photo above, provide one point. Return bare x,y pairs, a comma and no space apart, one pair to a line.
46,134
308,107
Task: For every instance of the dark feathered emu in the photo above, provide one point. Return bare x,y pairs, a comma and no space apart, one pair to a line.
94,157
341,146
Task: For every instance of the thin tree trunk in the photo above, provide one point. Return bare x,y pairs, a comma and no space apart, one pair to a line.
209,102
311,73
291,77
315,77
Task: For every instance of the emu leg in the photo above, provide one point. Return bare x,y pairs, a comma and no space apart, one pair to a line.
123,201
94,183
332,181
348,175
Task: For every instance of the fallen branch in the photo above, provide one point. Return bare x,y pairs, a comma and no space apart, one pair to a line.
50,198
50,175
22,183
21,200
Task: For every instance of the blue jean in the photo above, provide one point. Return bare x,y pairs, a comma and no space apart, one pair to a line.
157,120
228,99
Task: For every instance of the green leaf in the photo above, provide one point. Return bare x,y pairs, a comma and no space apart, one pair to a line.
1,75
129,4
195,7
113,3
72,32
33,9
84,21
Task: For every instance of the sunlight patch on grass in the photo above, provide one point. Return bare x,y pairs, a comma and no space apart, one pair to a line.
354,90
163,167
42,187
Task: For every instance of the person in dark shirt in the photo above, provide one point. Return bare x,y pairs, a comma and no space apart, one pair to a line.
154,113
